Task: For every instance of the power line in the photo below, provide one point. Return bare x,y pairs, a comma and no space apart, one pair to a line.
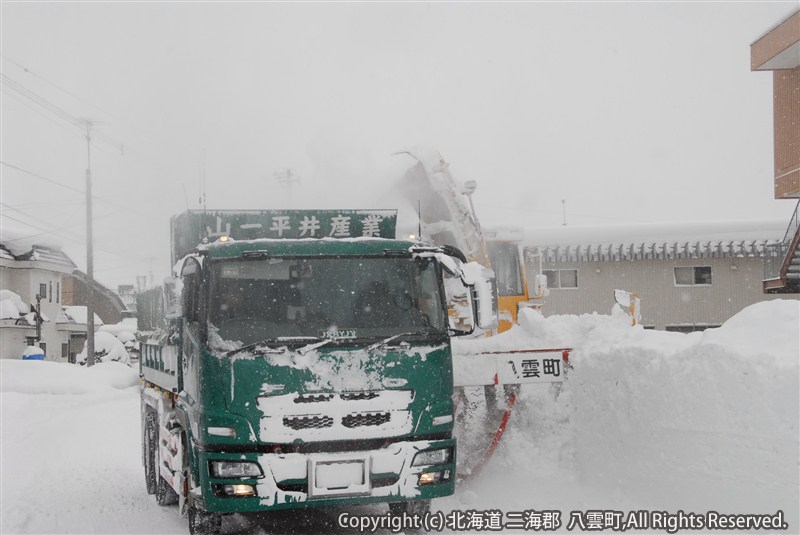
41,113
41,101
66,92
55,182
45,204
56,110
44,232
51,181
73,95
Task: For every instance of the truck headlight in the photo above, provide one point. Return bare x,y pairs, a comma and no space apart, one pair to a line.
233,469
431,457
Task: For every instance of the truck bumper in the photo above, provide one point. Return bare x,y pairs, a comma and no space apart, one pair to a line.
298,480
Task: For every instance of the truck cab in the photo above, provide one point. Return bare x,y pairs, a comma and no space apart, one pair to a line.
300,373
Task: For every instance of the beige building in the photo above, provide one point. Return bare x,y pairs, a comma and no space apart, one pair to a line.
688,276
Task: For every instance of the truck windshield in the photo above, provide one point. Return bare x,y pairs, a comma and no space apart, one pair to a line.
504,257
266,298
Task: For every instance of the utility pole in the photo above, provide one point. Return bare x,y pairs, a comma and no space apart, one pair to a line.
38,320
564,212
89,251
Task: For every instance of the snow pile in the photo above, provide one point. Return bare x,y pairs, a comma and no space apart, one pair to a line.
11,305
70,456
45,377
711,420
650,419
123,330
107,348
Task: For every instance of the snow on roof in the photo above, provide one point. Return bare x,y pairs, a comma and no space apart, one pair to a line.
11,305
77,314
21,239
716,231
657,241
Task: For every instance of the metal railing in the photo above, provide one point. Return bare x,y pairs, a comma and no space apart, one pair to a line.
775,253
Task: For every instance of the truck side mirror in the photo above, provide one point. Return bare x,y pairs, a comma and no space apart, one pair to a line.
460,308
481,281
471,294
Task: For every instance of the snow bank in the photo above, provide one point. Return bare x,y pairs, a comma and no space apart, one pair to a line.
707,422
45,377
651,419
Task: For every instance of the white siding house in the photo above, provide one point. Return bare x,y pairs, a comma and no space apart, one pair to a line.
28,270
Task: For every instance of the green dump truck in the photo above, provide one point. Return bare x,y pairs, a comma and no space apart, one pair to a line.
298,359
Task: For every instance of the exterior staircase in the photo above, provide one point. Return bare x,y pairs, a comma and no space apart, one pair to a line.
793,272
782,261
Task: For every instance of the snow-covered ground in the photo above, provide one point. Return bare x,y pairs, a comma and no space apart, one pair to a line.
646,420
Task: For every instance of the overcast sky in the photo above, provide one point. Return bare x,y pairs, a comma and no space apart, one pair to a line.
632,112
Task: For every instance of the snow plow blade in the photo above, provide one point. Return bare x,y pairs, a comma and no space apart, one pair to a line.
515,367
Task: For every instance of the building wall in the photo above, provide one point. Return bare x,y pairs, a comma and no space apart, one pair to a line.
24,279
76,293
736,283
778,50
786,87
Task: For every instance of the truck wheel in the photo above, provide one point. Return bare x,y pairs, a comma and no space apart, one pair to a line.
416,507
203,522
149,448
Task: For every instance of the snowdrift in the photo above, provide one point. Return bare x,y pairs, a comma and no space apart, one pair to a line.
659,420
45,377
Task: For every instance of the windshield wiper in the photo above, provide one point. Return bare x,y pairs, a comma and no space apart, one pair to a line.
395,337
281,341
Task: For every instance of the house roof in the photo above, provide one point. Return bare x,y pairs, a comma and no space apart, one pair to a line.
21,244
656,241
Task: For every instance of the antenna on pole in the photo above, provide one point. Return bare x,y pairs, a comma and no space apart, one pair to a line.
203,182
564,212
286,179
185,197
419,220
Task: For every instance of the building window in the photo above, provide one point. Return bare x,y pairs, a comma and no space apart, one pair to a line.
689,328
50,294
561,278
693,276
58,292
43,290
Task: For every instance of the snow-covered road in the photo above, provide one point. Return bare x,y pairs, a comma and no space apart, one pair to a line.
646,420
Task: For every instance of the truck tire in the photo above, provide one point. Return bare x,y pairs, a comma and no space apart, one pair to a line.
149,431
415,507
203,522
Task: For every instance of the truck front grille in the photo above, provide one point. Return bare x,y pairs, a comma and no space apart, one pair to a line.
362,419
313,398
358,396
307,422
